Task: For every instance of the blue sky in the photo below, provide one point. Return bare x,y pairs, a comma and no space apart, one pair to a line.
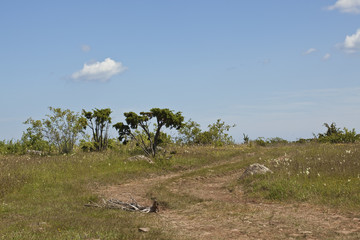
276,68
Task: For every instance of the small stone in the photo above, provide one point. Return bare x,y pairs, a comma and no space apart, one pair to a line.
140,158
144,229
256,168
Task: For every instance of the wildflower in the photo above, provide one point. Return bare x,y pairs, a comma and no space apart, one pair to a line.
318,174
349,180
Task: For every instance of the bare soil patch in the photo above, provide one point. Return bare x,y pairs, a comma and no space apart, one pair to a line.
225,214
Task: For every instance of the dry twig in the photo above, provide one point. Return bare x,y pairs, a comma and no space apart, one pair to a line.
117,204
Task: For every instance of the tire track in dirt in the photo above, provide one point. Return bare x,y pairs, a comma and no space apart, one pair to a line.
230,215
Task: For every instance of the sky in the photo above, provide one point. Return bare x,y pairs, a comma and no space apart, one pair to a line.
277,68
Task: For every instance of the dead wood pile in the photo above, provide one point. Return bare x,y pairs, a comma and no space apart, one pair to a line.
132,207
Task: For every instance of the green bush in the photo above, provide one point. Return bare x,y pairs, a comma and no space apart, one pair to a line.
12,147
336,135
260,141
216,134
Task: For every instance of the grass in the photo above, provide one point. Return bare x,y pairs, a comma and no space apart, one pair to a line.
43,197
320,173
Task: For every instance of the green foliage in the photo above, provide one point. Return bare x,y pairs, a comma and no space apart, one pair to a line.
61,129
260,141
303,140
12,147
277,140
34,138
99,122
216,134
190,132
246,138
86,144
336,135
148,140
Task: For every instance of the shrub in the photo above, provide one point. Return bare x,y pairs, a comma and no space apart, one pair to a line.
216,135
336,135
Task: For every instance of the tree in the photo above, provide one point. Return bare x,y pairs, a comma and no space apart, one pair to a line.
164,118
246,138
217,133
61,129
331,130
99,122
191,133
336,135
33,138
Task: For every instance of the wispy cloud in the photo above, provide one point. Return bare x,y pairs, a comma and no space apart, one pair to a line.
326,57
99,71
85,48
352,43
346,6
309,51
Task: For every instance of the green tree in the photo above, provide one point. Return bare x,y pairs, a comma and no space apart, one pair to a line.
61,129
33,138
217,134
99,122
246,138
190,132
149,140
336,135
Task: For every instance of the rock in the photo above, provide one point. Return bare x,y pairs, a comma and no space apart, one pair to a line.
144,229
140,158
35,152
255,168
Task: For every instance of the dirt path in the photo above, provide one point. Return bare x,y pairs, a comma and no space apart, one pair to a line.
229,215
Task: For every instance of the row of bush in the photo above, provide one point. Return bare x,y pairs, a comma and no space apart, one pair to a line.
62,131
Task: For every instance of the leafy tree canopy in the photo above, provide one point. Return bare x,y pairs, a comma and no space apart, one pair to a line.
99,122
163,118
61,129
217,133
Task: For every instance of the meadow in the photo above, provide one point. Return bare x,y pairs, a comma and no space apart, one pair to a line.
314,191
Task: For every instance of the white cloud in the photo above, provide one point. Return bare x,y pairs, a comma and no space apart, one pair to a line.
310,50
347,6
326,56
99,71
352,43
85,48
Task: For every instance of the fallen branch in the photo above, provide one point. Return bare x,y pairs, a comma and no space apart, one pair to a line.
117,204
